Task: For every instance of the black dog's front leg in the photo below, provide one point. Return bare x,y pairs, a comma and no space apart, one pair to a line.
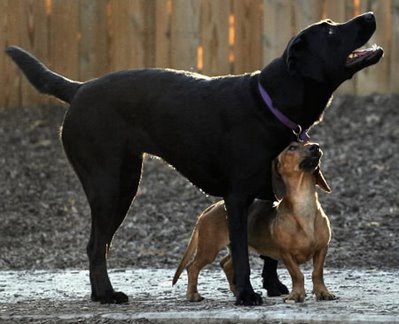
271,281
237,210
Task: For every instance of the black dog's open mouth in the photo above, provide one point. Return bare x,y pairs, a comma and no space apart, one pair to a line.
364,57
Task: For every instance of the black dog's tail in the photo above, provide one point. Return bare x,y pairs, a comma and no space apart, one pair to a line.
42,78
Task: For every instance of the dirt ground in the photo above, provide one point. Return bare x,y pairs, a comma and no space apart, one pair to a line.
45,218
365,296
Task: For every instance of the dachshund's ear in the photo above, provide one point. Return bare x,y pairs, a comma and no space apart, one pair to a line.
279,188
321,181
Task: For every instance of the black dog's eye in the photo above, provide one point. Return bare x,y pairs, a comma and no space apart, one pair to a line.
292,148
328,26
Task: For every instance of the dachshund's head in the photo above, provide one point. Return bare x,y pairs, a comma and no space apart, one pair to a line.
295,159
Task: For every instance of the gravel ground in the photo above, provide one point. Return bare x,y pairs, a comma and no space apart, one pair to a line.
365,296
45,218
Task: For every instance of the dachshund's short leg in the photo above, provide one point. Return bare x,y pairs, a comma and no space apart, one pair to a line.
202,258
227,266
319,288
298,293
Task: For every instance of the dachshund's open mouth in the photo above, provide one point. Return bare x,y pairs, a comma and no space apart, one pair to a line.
310,163
364,57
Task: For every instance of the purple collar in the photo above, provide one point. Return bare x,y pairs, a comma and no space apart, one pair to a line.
302,135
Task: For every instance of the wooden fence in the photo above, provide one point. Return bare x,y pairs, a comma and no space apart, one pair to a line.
83,39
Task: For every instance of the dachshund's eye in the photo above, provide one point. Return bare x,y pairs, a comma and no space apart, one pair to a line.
292,148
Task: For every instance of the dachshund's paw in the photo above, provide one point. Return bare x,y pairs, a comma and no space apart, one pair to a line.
295,297
248,298
195,297
324,295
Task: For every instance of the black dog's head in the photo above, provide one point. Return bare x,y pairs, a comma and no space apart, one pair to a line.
329,51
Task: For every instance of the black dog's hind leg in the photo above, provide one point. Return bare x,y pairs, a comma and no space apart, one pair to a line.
237,210
271,281
108,211
110,180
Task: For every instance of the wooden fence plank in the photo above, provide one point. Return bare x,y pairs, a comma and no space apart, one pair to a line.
64,37
341,11
185,34
93,50
277,28
34,36
335,10
148,32
214,34
376,78
10,85
120,38
162,37
307,12
349,86
393,55
248,35
127,25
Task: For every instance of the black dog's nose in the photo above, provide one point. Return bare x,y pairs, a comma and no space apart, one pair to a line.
369,16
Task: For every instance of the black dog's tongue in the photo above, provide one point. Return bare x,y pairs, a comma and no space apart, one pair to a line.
359,55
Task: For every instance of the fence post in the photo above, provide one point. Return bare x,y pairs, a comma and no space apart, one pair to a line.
248,35
278,28
393,54
93,50
214,35
185,34
10,84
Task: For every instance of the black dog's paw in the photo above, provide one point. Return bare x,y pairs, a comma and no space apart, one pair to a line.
120,298
248,298
275,288
115,297
283,288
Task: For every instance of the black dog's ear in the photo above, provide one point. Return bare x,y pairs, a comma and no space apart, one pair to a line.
293,47
321,181
279,188
301,61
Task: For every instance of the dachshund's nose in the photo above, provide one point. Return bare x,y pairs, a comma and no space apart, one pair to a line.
314,148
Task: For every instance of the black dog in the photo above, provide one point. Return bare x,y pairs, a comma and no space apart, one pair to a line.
218,132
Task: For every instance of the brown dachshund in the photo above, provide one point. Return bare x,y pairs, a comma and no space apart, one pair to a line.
293,230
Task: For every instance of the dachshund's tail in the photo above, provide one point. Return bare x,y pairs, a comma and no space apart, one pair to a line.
188,255
41,77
